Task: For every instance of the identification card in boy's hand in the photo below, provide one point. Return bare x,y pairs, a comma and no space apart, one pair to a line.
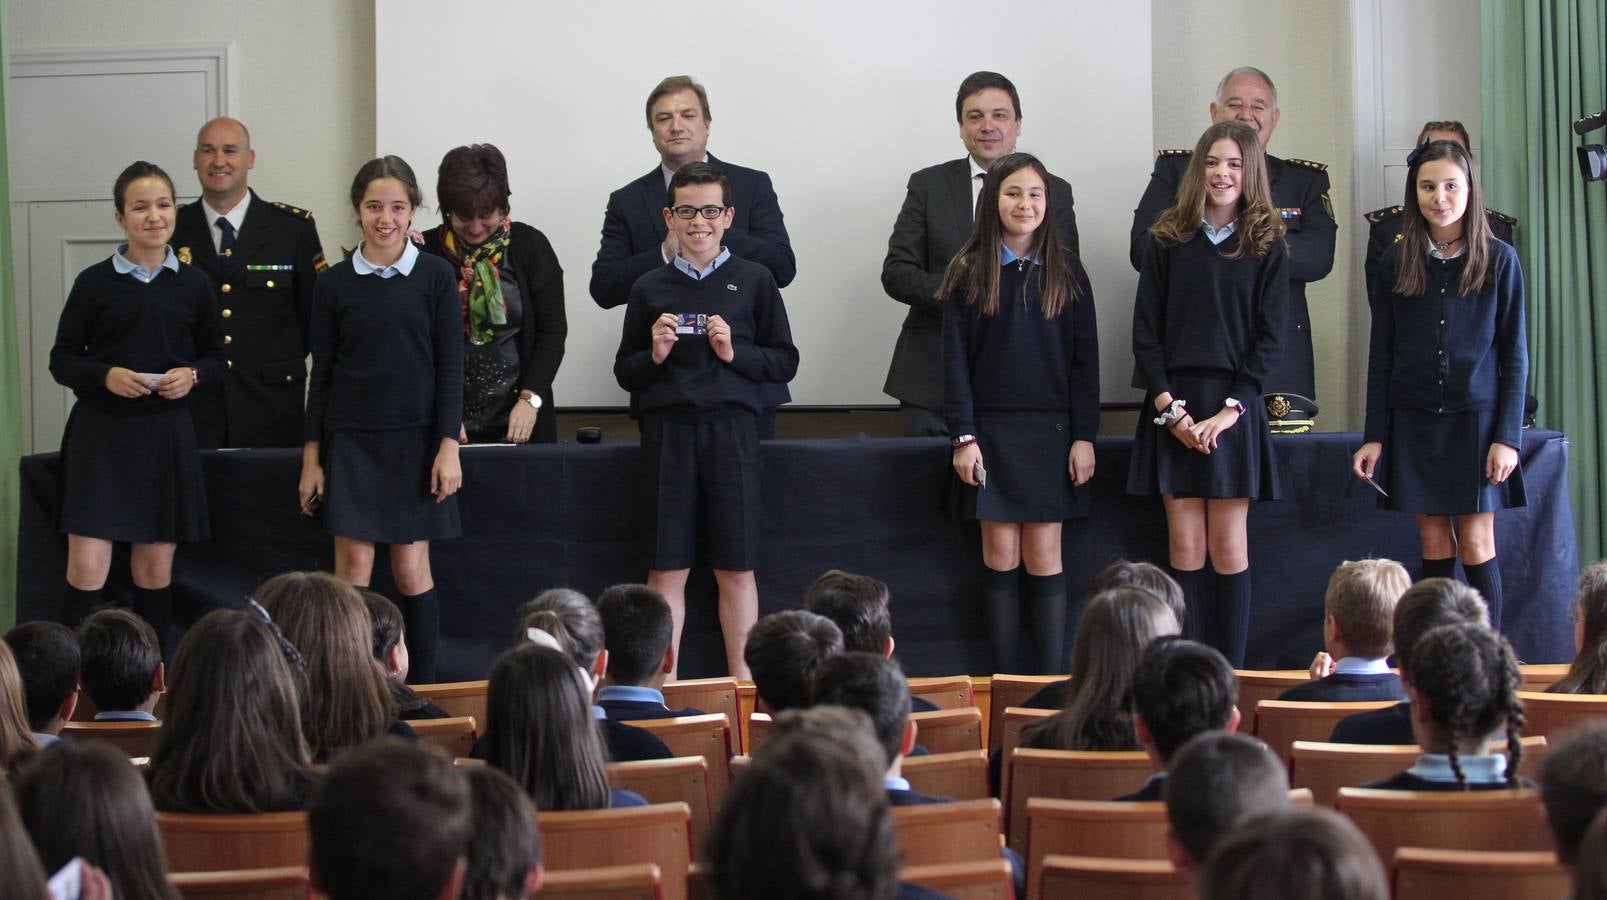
1376,487
979,474
691,323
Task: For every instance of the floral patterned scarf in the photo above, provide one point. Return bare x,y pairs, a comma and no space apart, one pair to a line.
479,281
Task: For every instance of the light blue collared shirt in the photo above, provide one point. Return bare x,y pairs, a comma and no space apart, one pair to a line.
1008,256
630,693
1491,769
124,715
696,274
45,738
1218,235
1361,665
895,783
125,266
597,712
403,266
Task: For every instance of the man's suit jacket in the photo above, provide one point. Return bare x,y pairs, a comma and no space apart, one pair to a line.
1347,688
265,295
933,224
1300,193
1390,725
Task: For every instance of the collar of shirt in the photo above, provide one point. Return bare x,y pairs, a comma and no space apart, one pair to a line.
1218,235
403,266
670,173
45,738
1361,665
696,274
895,783
597,712
236,217
1008,256
1156,778
978,174
1435,251
124,715
632,693
1491,769
126,266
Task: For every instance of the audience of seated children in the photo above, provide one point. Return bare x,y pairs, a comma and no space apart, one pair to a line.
1464,690
346,698
504,848
571,620
540,730
637,627
231,740
1426,605
1573,786
120,665
783,651
1180,689
1310,853
47,658
388,636
861,608
84,799
1590,874
17,743
1216,782
1358,616
1588,674
389,819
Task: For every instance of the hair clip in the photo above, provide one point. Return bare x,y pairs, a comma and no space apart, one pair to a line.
542,639
1415,155
292,655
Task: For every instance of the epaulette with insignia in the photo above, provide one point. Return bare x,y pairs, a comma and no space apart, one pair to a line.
1501,215
1174,152
293,210
1308,164
1379,215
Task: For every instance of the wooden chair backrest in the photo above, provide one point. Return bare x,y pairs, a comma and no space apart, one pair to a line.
700,883
587,839
1539,676
945,692
1128,879
949,730
1446,820
961,775
130,738
1421,873
931,833
712,695
977,880
641,881
458,698
1006,691
682,779
708,736
1102,828
277,883
1015,719
1280,723
1069,775
1256,685
1554,715
455,735
212,843
1325,767
758,729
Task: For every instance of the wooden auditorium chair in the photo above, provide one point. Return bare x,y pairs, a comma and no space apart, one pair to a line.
1540,676
1325,767
945,692
642,881
682,778
758,729
1424,874
1015,718
949,730
1091,878
201,842
1102,828
963,831
278,883
1069,775
1279,723
588,839
458,698
1554,715
1256,685
1006,691
712,695
1447,820
708,736
455,735
130,738
962,775
975,880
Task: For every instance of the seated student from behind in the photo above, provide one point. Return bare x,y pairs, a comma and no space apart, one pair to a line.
1463,691
861,607
390,648
1181,689
1359,610
1216,782
1588,673
784,650
1426,605
389,819
637,629
47,658
1573,787
504,847
120,665
1309,853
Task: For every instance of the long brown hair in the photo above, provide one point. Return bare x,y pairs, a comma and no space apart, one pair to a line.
973,272
1115,627
1588,674
17,743
539,729
346,700
18,859
231,740
1411,275
1259,225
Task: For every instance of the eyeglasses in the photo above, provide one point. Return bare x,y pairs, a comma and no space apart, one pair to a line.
691,212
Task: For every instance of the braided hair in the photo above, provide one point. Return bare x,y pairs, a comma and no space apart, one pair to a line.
1467,676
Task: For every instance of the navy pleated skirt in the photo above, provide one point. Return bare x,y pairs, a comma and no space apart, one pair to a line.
134,477
1026,454
1433,463
1242,465
377,487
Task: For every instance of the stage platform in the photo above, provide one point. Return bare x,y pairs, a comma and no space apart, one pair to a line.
542,516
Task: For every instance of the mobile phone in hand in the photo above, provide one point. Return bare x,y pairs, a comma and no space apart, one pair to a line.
979,474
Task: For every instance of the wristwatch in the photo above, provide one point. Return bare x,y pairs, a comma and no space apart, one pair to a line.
532,398
964,440
1234,405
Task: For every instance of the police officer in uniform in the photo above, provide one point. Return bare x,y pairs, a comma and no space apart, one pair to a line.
1300,191
263,258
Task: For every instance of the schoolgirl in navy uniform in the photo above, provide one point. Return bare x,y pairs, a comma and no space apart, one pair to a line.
1209,325
1446,372
138,332
385,403
1021,380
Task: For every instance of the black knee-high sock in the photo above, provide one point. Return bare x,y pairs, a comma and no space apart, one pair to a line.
1485,577
1002,611
421,618
1439,568
1232,615
1195,597
76,604
1046,601
155,605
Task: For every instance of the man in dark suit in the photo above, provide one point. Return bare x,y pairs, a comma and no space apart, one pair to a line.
263,258
1300,193
636,240
931,227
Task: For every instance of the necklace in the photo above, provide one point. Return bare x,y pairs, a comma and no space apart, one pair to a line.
1445,246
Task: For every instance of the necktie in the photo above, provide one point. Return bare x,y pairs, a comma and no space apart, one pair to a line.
226,244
